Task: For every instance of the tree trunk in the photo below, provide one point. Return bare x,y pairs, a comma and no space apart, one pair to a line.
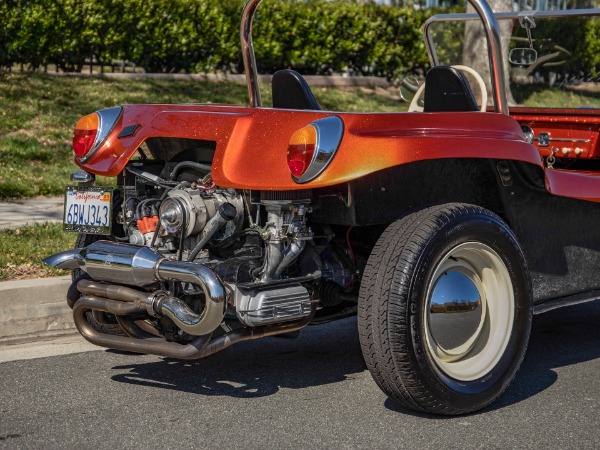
476,53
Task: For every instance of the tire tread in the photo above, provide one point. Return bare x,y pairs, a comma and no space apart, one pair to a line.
384,306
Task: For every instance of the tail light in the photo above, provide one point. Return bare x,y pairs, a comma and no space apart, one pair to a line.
312,148
85,134
301,150
92,130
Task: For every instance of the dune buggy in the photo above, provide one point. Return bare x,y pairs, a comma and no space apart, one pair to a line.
444,229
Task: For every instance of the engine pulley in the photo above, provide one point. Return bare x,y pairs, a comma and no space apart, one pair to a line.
189,210
183,209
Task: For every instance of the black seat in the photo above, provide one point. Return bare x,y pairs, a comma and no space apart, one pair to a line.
447,89
290,91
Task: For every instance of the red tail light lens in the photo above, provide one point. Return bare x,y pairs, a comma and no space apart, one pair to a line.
85,133
93,130
313,147
301,150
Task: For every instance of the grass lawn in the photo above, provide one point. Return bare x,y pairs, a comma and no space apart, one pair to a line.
37,115
22,250
539,96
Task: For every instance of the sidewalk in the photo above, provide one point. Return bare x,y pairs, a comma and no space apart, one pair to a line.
16,213
35,307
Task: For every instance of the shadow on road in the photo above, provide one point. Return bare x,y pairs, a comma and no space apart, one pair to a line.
559,338
322,354
331,353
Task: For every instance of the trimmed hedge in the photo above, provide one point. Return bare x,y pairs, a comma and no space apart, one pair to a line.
313,36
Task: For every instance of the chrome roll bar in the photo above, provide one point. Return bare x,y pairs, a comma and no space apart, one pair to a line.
248,52
492,31
482,8
498,16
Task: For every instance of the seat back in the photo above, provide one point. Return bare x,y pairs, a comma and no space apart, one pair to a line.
447,89
290,91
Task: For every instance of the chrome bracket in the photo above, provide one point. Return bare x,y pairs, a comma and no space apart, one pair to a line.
83,178
528,22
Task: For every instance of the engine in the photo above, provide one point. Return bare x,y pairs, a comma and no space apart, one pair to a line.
259,243
183,217
205,267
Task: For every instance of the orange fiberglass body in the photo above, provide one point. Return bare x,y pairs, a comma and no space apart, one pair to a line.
572,133
443,231
254,140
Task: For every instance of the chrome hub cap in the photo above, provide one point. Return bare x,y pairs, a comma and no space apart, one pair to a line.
455,310
469,311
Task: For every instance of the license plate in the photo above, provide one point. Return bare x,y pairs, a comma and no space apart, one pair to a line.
88,209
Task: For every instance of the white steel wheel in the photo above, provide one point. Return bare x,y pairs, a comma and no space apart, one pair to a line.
445,309
469,311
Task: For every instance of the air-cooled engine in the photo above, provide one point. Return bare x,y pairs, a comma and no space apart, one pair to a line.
259,244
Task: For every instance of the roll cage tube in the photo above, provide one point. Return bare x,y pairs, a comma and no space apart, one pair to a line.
482,8
501,16
492,31
248,52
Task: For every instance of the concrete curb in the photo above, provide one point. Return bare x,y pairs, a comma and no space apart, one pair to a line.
31,307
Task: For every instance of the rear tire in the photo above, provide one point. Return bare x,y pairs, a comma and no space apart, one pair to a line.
445,309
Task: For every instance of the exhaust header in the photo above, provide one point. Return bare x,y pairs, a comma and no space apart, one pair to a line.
132,265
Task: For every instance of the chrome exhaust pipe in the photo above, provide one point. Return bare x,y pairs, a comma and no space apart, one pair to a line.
201,347
141,266
156,304
67,260
153,346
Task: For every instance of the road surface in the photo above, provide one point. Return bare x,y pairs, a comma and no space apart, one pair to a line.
312,392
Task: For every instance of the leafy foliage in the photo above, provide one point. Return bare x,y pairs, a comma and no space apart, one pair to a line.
575,41
313,36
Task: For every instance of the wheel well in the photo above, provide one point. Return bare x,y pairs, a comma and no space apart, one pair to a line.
384,196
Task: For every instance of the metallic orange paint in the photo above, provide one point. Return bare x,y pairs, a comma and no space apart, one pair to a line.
251,143
582,185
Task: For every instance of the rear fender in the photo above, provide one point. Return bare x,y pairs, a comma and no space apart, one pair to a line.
251,143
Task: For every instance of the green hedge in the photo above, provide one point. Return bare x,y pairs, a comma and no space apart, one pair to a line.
313,36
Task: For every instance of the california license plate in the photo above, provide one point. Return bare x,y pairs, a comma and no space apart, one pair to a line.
88,209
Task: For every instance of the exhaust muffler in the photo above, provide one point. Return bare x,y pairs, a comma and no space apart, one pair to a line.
127,264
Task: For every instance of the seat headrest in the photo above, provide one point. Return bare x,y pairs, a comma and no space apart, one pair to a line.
447,89
290,91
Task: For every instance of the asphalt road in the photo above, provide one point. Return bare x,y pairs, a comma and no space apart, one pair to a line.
312,392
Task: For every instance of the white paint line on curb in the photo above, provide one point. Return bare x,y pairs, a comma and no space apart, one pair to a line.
45,347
